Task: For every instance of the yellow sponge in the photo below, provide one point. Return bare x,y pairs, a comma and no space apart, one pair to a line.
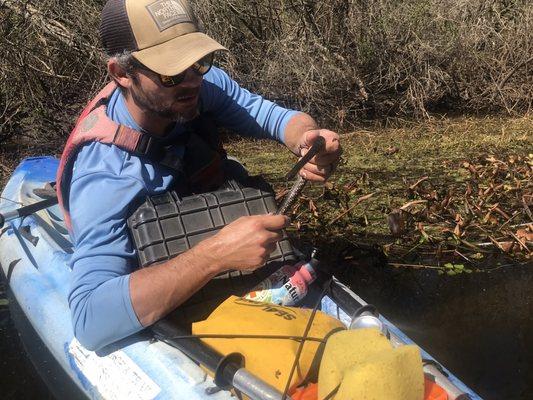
364,366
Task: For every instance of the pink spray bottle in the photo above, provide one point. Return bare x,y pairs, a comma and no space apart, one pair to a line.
287,286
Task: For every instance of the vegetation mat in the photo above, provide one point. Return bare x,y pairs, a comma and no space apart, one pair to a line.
451,195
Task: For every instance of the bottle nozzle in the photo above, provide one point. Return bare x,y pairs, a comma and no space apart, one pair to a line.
368,317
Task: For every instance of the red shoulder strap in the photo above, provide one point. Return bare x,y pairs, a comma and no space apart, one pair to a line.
93,125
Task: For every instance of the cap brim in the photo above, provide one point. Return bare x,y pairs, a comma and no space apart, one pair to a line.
176,55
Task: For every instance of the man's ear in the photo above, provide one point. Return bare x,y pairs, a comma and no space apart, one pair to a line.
119,74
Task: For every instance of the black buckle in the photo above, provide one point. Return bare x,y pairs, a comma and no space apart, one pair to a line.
147,145
152,148
170,159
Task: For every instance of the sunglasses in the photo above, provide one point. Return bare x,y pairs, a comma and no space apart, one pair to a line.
201,67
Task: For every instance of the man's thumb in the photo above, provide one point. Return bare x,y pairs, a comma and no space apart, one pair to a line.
309,138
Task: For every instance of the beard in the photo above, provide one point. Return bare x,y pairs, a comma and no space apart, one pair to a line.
162,109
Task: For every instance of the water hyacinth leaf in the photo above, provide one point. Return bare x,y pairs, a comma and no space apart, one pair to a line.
454,269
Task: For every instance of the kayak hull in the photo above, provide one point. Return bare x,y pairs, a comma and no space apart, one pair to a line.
34,258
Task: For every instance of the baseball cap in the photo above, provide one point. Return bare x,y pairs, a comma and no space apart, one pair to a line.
164,35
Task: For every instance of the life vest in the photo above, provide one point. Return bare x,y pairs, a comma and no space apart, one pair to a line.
201,166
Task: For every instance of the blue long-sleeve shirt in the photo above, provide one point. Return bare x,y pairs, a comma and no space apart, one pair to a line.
105,182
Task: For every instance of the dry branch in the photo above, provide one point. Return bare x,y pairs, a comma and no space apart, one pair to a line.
45,24
355,204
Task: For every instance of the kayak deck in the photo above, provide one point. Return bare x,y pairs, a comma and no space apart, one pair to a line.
34,256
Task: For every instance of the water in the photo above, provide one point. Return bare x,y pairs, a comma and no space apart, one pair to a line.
480,326
18,379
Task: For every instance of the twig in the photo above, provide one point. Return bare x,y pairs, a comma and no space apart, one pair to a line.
526,208
463,256
498,245
418,182
470,245
48,25
509,220
522,244
5,168
412,203
507,265
498,210
357,202
516,68
521,225
399,265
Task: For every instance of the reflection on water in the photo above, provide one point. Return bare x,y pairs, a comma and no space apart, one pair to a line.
480,326
18,380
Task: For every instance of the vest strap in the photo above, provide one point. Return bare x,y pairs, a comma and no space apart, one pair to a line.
152,148
202,164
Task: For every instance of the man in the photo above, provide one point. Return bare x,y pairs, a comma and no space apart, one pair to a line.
160,64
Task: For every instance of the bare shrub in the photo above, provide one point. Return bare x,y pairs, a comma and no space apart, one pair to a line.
341,60
410,57
50,63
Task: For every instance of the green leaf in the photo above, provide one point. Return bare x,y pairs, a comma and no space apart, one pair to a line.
4,302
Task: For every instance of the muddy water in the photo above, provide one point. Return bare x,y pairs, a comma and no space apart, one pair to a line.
479,325
18,380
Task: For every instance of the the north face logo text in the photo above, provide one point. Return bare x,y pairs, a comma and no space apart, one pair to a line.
167,13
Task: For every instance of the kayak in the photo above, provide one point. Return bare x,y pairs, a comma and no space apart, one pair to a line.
34,258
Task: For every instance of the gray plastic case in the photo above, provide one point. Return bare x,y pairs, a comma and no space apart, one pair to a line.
167,225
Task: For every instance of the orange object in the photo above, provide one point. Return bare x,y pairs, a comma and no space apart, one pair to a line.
309,392
434,391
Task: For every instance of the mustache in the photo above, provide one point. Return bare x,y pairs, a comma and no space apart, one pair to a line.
187,93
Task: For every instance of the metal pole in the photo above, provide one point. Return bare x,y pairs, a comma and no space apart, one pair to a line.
26,210
229,370
290,198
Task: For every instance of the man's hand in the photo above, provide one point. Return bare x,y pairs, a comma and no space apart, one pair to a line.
320,167
246,243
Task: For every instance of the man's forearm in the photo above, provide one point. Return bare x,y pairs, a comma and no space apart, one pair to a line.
159,289
296,127
244,244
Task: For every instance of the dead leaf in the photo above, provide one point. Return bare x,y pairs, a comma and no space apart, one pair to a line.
524,234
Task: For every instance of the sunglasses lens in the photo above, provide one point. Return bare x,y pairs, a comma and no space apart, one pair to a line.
170,81
203,65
